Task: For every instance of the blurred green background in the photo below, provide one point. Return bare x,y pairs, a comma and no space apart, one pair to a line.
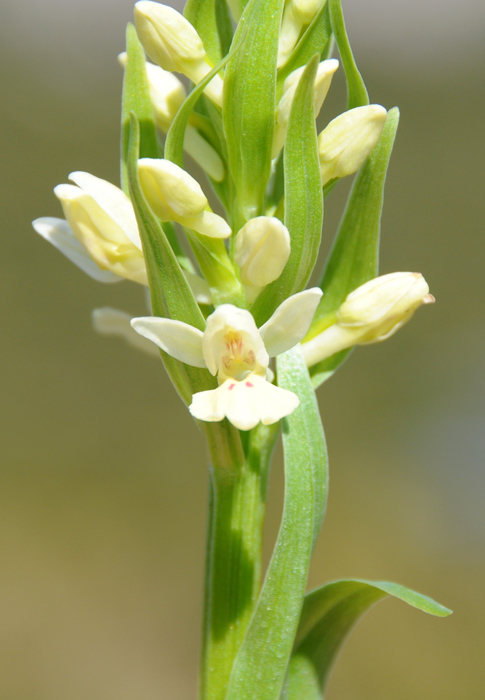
103,486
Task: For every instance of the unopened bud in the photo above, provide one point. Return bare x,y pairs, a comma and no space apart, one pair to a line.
174,195
102,237
173,43
306,10
323,79
296,15
166,92
167,95
262,251
346,142
370,314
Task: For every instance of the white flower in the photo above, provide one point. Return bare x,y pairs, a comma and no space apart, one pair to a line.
370,314
347,141
174,195
234,349
262,251
172,42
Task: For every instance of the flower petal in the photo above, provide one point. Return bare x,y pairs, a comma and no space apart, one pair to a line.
59,233
245,403
178,339
227,318
208,224
112,200
112,322
290,322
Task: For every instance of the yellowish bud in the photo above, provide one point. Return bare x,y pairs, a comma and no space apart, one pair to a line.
346,142
306,10
174,195
173,43
370,314
105,241
262,251
166,92
289,34
296,15
323,79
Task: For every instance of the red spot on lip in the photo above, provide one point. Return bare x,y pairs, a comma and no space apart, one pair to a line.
249,384
231,387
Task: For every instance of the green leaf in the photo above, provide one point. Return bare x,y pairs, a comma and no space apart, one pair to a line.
171,296
260,666
354,258
212,21
250,104
136,99
356,91
174,143
328,615
317,38
303,199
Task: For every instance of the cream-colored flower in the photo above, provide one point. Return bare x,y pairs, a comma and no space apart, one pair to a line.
234,349
174,195
173,43
346,142
101,235
102,218
370,314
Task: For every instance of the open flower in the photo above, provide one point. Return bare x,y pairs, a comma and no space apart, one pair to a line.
100,234
101,218
234,349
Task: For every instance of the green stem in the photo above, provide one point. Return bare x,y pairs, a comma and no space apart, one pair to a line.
233,565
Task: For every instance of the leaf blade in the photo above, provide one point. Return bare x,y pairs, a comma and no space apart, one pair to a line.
136,99
303,199
171,296
328,615
316,39
250,104
357,95
261,663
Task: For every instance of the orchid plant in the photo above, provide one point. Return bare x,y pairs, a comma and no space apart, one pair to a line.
227,294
